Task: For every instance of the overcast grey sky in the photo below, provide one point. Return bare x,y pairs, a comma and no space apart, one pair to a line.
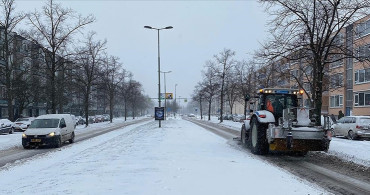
201,29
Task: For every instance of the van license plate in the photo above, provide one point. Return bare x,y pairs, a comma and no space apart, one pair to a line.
35,140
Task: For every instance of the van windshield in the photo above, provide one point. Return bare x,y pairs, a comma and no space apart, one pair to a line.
45,123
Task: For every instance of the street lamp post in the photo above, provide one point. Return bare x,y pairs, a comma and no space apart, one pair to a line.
165,92
175,101
159,65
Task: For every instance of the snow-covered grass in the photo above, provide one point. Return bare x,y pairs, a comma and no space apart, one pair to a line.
15,140
349,150
179,158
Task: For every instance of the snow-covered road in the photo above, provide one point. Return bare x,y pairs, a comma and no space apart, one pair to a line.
180,158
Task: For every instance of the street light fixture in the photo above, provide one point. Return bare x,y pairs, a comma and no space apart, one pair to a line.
159,65
165,92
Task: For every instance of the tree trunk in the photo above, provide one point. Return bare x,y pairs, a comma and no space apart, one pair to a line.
8,83
111,102
86,107
209,109
52,85
125,110
222,101
245,109
200,109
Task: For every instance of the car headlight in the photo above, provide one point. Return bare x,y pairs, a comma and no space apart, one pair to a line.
24,135
51,134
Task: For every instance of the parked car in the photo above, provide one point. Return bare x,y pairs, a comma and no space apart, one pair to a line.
50,129
6,126
238,118
191,115
80,120
106,117
226,117
99,118
91,119
352,127
21,124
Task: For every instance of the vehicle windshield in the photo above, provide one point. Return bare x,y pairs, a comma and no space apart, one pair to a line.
282,101
45,123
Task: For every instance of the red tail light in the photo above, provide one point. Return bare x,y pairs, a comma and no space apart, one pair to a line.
358,127
329,134
262,115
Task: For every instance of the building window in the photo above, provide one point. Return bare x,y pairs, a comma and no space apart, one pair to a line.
362,76
362,52
336,101
336,80
339,39
363,29
337,61
362,99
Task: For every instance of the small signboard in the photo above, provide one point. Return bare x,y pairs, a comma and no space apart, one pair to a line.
169,96
159,113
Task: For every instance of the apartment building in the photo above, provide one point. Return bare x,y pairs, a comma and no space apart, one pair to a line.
350,77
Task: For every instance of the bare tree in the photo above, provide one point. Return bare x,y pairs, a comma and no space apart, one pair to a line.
311,28
245,75
225,62
135,91
53,28
125,89
231,89
113,75
88,63
210,85
198,96
8,22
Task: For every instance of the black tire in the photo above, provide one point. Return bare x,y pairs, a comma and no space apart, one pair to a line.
325,145
11,131
259,144
351,135
58,142
72,138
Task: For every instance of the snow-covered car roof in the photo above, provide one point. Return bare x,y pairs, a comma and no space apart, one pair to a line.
56,116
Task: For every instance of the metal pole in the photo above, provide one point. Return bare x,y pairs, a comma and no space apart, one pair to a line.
175,101
159,78
165,98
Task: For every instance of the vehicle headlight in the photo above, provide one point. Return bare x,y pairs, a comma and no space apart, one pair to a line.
24,135
51,134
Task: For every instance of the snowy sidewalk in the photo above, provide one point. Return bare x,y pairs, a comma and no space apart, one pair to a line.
180,158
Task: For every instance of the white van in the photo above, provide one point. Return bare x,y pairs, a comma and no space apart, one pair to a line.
50,129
